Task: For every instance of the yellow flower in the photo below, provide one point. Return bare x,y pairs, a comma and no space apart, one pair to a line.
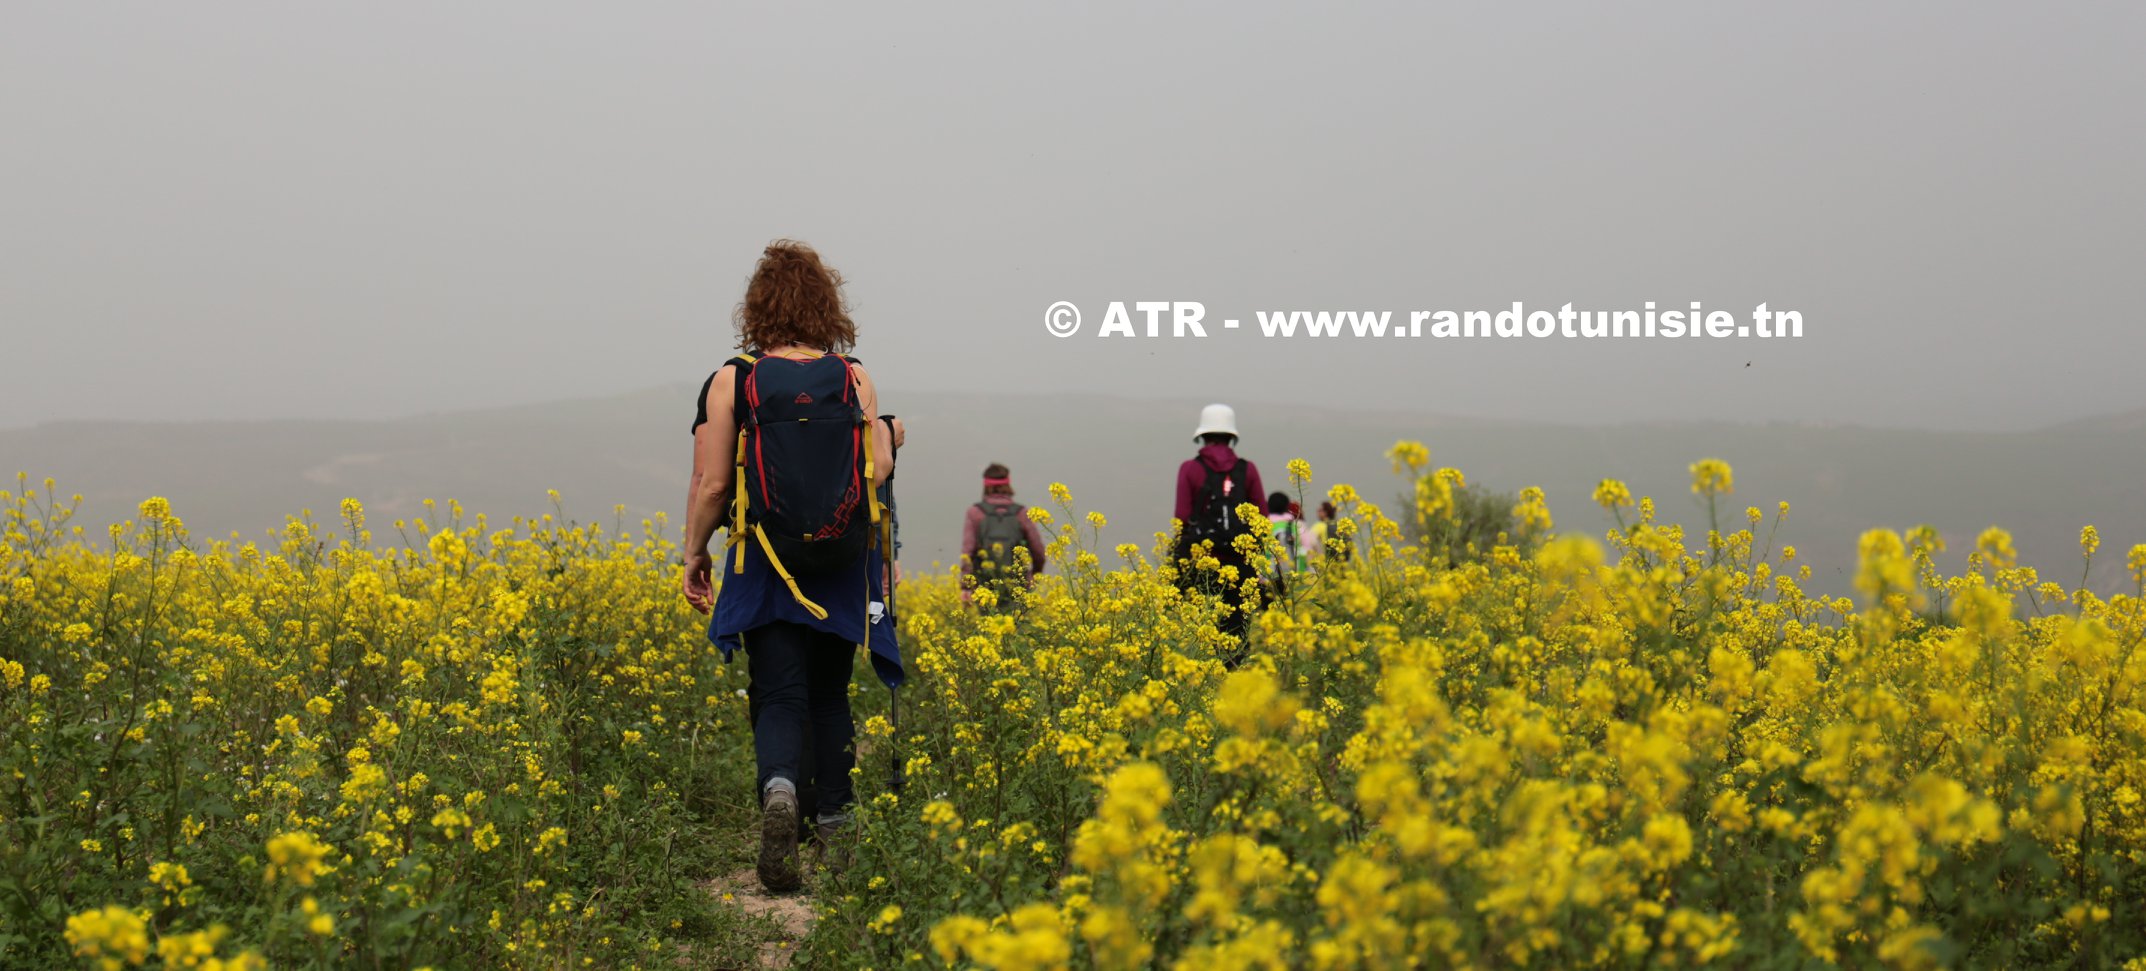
1612,494
170,876
297,856
1250,702
448,549
450,822
1533,510
1408,456
1996,544
1884,568
951,937
318,922
195,949
1712,477
1668,840
1035,941
111,937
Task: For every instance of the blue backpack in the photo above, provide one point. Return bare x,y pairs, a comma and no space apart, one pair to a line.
804,471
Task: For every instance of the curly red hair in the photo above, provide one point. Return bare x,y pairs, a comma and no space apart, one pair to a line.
794,298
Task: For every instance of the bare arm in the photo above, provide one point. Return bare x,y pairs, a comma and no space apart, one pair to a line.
708,493
714,459
882,444
971,520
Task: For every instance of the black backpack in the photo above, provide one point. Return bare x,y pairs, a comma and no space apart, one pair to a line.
804,473
997,539
1214,511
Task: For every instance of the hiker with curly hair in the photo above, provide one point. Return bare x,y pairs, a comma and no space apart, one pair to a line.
789,454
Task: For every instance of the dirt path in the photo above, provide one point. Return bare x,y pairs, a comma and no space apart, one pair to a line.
790,914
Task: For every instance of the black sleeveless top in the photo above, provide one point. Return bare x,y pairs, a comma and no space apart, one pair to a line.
700,401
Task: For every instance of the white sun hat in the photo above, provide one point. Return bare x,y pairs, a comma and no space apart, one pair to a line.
1217,419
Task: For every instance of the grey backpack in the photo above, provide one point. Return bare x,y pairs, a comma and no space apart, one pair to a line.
997,538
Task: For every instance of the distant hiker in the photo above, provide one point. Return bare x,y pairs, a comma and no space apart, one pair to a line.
1001,548
1327,537
1210,487
1292,541
788,452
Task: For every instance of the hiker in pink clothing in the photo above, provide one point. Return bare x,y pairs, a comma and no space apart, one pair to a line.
1210,487
993,535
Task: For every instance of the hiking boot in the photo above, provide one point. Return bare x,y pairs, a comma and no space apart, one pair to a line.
833,838
778,842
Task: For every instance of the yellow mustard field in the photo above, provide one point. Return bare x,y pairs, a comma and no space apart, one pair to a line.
462,743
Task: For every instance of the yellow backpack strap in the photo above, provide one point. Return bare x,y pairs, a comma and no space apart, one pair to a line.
871,473
818,612
738,502
739,499
872,534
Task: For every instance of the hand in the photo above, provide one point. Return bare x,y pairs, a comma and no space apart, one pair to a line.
901,431
897,572
699,590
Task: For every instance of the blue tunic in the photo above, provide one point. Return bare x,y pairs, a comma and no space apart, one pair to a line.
757,596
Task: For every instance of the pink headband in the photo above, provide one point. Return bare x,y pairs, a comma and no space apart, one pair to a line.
989,481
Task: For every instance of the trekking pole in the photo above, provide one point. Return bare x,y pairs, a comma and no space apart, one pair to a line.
894,757
889,563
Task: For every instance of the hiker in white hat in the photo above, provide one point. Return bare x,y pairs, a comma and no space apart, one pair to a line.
1210,487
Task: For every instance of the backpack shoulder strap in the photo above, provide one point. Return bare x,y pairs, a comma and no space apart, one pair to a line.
1210,491
739,398
739,501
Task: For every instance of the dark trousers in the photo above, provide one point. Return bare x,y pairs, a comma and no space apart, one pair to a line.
802,730
1238,623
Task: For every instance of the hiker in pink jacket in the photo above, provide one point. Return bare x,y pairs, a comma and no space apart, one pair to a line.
1210,487
993,535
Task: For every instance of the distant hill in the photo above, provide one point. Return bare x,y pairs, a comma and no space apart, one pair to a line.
1118,456
2124,421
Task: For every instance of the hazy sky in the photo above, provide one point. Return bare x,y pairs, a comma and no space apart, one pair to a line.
280,210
